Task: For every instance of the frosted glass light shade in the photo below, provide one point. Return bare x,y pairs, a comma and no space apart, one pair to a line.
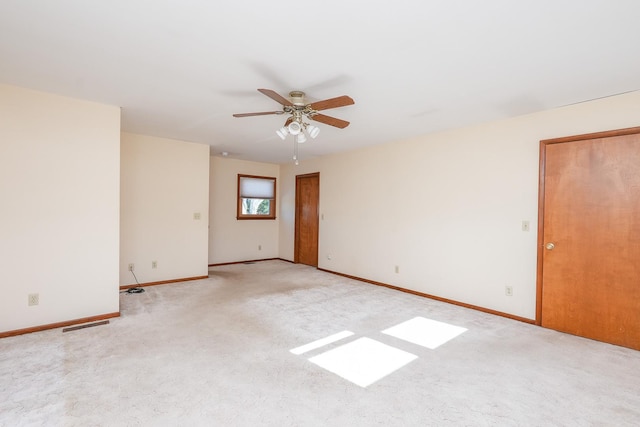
282,133
313,131
294,128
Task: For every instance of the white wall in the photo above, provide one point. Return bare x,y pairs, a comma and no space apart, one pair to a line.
446,208
59,195
231,240
164,183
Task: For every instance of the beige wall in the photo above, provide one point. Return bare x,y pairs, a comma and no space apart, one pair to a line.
59,192
164,183
447,208
231,240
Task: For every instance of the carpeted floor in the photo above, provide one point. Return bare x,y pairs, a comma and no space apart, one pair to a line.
217,352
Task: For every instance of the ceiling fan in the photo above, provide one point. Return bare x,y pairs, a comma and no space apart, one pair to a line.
299,108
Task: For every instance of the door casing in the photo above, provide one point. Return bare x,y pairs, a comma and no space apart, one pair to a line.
307,251
586,138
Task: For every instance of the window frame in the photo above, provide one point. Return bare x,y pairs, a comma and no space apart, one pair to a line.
272,201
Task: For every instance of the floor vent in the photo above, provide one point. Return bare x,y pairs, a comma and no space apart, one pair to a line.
88,325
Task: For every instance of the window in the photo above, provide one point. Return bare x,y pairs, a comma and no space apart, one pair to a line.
256,197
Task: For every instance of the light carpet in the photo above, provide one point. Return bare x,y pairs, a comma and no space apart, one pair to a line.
218,352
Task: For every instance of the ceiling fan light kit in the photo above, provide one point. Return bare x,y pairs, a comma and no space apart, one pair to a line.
299,109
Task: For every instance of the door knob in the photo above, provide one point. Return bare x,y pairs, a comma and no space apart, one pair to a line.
550,246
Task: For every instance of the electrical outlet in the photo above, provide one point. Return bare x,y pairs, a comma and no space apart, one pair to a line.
131,267
154,264
34,299
196,216
508,291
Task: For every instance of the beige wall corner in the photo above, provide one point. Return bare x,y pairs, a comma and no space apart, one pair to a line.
59,186
164,209
231,240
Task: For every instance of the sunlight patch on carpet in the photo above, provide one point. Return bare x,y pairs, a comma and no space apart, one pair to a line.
321,342
425,332
363,361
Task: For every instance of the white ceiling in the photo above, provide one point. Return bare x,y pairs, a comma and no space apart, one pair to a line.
180,69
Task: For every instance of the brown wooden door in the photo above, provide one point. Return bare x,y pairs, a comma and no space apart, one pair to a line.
589,255
307,202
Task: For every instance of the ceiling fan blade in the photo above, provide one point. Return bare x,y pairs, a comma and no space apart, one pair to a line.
340,101
328,120
265,113
278,98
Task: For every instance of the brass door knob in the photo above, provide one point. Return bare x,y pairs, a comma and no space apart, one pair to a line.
550,246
